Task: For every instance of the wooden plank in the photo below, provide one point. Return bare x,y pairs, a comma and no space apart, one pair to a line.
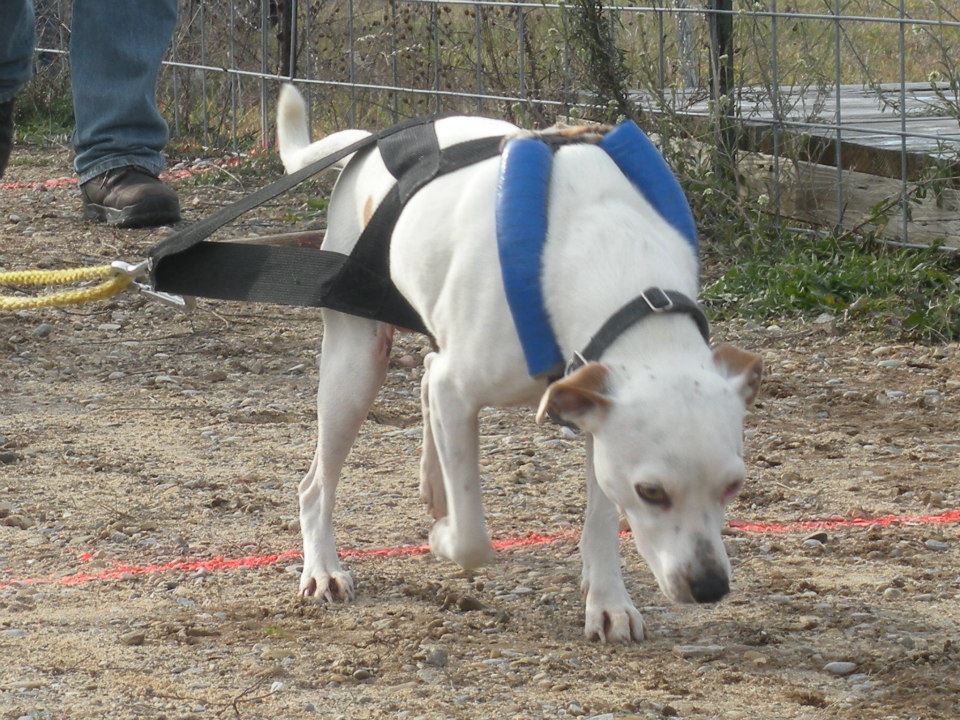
808,193
874,148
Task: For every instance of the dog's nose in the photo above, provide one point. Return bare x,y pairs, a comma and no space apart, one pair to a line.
710,586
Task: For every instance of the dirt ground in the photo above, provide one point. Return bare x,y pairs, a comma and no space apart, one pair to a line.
132,433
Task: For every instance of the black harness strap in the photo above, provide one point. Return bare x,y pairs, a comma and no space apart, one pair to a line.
651,301
184,264
364,282
200,231
359,284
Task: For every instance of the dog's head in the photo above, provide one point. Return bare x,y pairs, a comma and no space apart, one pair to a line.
668,451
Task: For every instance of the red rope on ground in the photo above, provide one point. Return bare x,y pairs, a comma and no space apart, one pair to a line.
165,176
951,516
121,571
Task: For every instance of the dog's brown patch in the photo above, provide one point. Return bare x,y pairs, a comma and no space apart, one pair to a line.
578,130
578,393
367,211
741,362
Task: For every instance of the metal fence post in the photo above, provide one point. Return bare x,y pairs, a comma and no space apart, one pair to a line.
720,18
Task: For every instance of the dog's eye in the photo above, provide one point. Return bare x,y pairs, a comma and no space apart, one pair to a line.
654,495
732,490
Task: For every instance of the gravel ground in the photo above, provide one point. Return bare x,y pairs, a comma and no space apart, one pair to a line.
132,433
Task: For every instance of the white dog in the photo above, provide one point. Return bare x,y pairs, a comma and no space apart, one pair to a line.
662,413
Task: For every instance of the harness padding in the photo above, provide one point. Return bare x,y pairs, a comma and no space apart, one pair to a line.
638,159
522,192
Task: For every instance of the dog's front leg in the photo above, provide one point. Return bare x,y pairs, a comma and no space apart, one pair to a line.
610,613
461,535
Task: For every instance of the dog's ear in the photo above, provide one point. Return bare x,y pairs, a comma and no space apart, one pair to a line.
579,398
744,368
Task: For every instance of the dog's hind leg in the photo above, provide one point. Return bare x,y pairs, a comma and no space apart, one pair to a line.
353,364
461,535
431,476
610,614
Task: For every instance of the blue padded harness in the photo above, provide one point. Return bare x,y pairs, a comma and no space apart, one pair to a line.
521,214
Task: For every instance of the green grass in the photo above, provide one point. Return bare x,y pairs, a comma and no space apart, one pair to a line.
912,293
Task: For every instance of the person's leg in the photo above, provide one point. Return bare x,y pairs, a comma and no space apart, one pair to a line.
16,64
115,53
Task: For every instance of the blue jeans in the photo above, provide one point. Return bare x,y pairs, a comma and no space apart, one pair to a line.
116,47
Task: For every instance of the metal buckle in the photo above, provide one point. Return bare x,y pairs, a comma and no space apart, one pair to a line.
667,304
576,362
142,269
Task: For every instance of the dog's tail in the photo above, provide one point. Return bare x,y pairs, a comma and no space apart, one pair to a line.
293,134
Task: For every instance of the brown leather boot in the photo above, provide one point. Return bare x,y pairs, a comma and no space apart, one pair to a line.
129,197
6,134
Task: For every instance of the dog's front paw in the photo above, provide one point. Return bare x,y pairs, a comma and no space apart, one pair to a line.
467,552
317,585
612,618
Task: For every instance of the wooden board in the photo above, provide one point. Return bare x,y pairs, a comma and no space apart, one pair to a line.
871,126
808,193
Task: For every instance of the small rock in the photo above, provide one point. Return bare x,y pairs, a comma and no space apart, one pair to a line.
276,687
669,711
522,590
840,667
469,604
892,593
818,536
28,684
895,394
275,653
890,364
756,658
108,327
812,543
133,639
13,218
13,633
937,545
823,318
8,456
697,651
16,521
437,657
362,674
42,330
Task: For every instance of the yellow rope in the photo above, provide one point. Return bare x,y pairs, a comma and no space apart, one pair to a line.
115,283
